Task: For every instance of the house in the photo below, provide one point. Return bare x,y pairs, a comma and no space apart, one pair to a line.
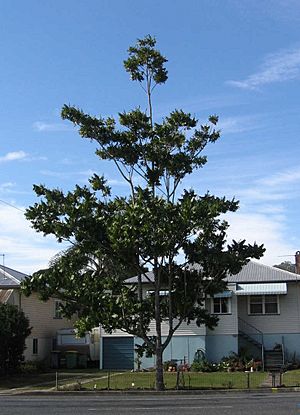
45,317
259,311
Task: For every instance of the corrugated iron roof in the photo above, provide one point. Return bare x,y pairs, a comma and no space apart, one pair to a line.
10,277
257,272
251,272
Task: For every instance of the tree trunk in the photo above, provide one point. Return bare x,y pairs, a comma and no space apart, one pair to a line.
158,346
160,386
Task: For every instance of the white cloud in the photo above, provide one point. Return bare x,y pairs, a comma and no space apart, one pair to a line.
277,67
6,186
273,188
262,229
282,178
231,125
24,249
13,156
51,127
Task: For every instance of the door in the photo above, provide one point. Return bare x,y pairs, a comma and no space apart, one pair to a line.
118,353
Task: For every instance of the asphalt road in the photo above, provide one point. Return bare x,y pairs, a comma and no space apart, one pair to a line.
212,404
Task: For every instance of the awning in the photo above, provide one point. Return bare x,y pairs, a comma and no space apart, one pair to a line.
259,289
224,294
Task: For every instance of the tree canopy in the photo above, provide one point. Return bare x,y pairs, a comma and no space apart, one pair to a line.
14,328
155,227
286,266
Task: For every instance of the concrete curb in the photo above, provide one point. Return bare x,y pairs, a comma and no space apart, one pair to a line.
260,391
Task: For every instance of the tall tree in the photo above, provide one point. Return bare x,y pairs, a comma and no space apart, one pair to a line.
14,328
153,228
286,266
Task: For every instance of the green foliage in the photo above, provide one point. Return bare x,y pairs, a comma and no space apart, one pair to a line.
286,266
14,328
34,367
112,238
146,62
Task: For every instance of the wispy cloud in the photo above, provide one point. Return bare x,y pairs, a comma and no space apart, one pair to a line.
13,156
286,177
82,176
277,67
239,124
263,229
42,126
274,188
7,187
24,249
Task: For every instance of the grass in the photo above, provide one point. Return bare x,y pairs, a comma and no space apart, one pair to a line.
291,378
188,380
45,380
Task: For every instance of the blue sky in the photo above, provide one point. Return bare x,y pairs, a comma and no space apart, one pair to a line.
237,59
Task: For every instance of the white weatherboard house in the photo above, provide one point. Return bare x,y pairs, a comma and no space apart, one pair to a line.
259,311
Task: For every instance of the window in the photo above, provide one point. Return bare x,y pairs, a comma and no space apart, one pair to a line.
221,305
57,309
263,304
271,304
256,304
35,346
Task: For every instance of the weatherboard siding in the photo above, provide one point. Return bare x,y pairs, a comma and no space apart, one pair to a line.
44,325
184,330
288,321
228,323
41,316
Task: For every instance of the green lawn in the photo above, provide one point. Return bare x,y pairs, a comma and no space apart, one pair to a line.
193,380
46,380
291,378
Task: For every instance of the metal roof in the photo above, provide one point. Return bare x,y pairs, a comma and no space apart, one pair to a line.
224,294
251,272
261,288
10,277
257,272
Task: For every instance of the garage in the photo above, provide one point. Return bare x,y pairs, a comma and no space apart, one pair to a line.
118,353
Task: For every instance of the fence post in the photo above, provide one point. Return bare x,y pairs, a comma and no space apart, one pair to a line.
108,380
177,380
248,379
273,380
280,378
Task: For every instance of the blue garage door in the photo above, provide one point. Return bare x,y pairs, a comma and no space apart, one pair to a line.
118,353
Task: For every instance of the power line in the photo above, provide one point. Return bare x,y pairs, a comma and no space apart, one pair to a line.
9,204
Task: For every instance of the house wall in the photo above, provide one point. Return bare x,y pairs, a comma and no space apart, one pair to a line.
181,349
223,339
189,338
288,321
220,345
228,323
44,325
283,328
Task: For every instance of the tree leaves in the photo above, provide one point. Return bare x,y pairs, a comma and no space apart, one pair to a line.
181,239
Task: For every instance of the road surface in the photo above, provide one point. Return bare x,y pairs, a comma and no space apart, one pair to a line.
210,404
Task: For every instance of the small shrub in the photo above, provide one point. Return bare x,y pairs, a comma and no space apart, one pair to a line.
33,366
170,364
204,366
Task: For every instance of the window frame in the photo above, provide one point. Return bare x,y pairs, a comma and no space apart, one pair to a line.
35,346
264,302
228,299
57,313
